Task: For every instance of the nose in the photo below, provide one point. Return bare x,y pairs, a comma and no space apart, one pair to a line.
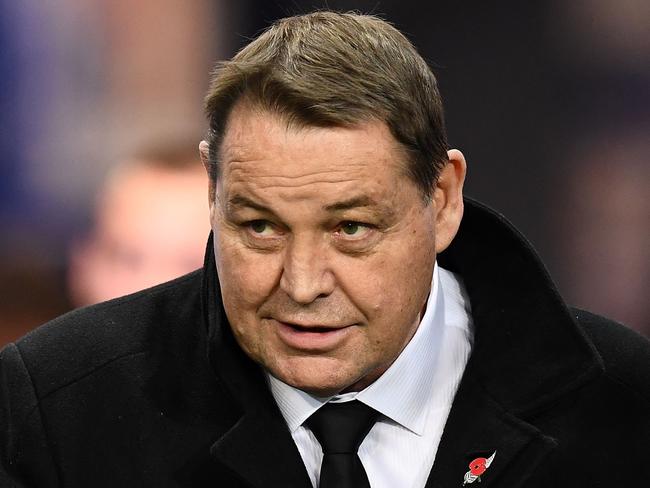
306,274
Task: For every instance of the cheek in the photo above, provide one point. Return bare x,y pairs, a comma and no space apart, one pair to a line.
391,289
246,277
246,281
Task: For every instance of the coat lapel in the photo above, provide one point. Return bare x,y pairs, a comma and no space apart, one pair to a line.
477,427
260,450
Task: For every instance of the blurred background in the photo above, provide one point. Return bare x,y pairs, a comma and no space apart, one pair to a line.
101,99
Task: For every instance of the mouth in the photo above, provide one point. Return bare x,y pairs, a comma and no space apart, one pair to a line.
312,337
312,327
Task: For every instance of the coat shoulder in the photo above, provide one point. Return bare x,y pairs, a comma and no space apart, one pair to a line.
625,354
82,341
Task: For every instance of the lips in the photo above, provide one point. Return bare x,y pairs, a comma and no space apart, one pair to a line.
312,337
311,327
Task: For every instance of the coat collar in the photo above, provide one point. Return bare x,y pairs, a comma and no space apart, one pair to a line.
528,348
528,352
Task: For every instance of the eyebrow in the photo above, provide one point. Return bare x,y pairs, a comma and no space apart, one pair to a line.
242,201
355,202
360,201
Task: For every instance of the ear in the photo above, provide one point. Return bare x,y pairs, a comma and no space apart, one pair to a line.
204,151
448,199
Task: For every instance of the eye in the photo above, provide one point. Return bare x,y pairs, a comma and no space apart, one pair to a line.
354,229
261,228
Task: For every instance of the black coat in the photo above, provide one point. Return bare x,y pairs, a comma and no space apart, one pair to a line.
151,390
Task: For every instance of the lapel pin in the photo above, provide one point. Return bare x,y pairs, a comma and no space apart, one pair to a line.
477,467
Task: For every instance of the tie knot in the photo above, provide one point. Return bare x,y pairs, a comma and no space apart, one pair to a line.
341,427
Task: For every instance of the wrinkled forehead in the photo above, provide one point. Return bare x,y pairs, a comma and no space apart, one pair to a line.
254,134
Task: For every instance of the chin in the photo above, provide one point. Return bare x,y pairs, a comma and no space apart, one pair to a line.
319,390
317,376
318,386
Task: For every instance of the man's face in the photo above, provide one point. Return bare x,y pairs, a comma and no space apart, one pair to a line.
324,249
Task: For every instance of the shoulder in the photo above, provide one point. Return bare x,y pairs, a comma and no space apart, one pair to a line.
625,354
82,341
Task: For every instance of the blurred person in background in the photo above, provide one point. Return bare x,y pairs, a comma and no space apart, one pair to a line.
148,225
92,71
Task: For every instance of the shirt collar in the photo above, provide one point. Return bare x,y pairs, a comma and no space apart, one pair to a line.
401,393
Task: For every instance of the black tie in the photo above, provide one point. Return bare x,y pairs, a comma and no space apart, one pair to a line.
340,428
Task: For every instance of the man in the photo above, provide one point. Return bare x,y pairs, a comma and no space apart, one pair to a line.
347,288
147,227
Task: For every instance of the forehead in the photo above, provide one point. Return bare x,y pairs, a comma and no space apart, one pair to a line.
262,146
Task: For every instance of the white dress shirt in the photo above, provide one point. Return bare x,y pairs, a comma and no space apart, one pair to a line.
413,396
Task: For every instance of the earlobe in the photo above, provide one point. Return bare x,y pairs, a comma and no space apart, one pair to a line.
448,199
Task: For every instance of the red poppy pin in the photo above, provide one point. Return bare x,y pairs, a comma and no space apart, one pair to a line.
477,467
